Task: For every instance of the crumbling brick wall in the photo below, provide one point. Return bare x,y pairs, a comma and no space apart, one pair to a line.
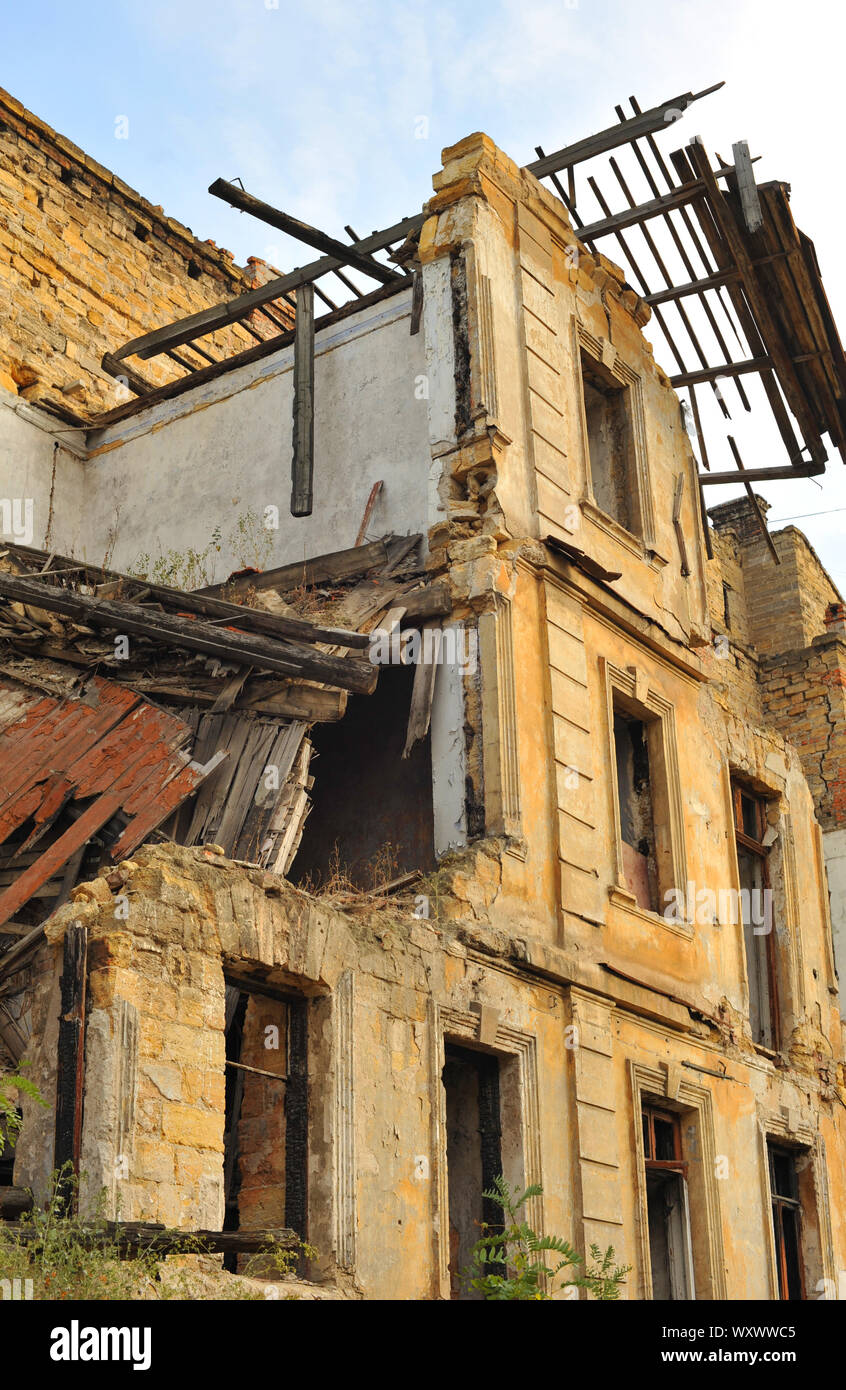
86,264
804,695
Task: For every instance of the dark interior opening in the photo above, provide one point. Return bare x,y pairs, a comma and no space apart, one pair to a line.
474,1154
371,818
609,443
637,826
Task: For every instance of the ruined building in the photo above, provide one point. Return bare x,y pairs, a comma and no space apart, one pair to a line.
299,934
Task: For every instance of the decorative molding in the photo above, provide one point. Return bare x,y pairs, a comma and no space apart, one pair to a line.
464,1026
666,1084
343,1003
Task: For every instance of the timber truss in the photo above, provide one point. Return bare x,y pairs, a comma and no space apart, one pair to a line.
738,292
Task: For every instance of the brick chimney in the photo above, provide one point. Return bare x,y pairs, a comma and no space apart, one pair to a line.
739,516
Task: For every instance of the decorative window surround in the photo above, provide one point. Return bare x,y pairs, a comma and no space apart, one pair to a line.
785,1125
652,708
669,1085
461,1026
603,351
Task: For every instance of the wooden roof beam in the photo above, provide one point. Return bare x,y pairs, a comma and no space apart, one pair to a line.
647,123
292,226
221,315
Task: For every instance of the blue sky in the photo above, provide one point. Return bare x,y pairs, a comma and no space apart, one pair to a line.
317,107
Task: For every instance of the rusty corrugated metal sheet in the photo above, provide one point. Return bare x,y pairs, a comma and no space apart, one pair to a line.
107,747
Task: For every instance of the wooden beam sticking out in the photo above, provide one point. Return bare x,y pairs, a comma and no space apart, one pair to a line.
423,690
71,1049
631,217
302,462
765,322
749,201
221,315
334,567
265,348
765,475
151,1235
292,226
647,123
762,520
754,364
237,615
245,648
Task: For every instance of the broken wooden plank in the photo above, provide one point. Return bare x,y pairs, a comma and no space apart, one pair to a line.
368,511
332,568
251,649
423,689
143,1235
302,462
130,588
747,188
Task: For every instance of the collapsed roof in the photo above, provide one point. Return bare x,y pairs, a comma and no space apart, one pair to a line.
129,709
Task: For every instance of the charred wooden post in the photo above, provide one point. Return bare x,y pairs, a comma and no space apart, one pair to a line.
302,463
71,1051
296,1120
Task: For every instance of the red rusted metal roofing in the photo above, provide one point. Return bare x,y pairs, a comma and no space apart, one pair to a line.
105,743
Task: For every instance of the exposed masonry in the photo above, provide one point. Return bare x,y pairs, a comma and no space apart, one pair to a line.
526,948
86,261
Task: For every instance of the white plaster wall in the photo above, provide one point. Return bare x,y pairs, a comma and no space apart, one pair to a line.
834,850
448,753
174,472
30,468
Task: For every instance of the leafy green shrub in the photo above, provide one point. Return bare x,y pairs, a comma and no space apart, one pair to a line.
10,1120
511,1262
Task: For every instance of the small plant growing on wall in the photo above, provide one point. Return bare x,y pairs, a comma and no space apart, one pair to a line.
514,1262
180,569
12,1086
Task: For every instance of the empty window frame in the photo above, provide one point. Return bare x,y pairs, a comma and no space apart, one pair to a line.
667,1211
642,831
610,443
787,1221
750,825
265,1163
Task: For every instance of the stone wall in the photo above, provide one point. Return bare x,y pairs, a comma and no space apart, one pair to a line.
86,264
